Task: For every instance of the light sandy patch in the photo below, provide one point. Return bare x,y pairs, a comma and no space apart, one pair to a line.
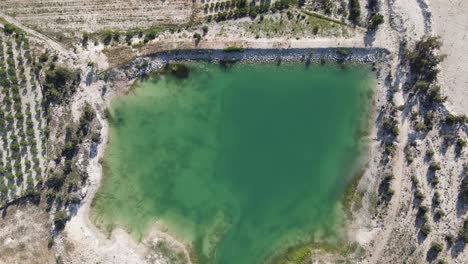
451,23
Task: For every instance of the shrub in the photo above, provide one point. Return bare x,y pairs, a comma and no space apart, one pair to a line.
55,180
355,13
85,40
107,37
464,232
59,83
233,49
415,180
205,29
439,213
376,21
150,36
437,247
435,166
426,229
430,153
60,218
461,143
44,57
424,60
9,29
453,119
197,36
423,209
419,194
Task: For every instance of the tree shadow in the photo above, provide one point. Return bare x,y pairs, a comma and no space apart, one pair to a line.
432,254
369,38
457,248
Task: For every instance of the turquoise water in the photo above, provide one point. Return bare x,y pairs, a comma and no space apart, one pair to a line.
240,163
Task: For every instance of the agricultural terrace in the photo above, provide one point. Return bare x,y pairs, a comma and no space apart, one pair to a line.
22,126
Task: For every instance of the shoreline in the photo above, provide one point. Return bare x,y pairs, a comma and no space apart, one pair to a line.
157,229
257,56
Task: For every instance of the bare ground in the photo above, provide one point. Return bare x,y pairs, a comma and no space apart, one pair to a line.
451,23
24,232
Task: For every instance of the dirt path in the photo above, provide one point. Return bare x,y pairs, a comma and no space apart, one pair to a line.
395,205
32,33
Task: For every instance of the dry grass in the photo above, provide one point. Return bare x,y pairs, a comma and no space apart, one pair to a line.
119,56
24,234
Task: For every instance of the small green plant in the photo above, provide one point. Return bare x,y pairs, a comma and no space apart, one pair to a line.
376,21
197,36
59,219
426,229
461,143
435,166
454,119
415,180
464,232
439,213
430,153
233,49
436,246
419,194
423,209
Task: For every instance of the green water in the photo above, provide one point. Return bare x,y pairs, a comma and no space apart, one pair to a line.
240,163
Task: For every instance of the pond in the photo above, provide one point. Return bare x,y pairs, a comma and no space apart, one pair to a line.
239,162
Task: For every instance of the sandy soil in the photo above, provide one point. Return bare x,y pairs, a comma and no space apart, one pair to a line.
451,23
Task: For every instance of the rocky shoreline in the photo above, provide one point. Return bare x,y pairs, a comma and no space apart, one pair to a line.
145,65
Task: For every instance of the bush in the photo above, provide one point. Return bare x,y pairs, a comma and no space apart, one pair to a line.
419,194
435,166
85,39
426,229
355,13
439,213
10,29
55,180
197,36
430,153
437,247
107,37
60,218
233,49
59,84
150,36
464,232
44,57
376,21
453,119
424,60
